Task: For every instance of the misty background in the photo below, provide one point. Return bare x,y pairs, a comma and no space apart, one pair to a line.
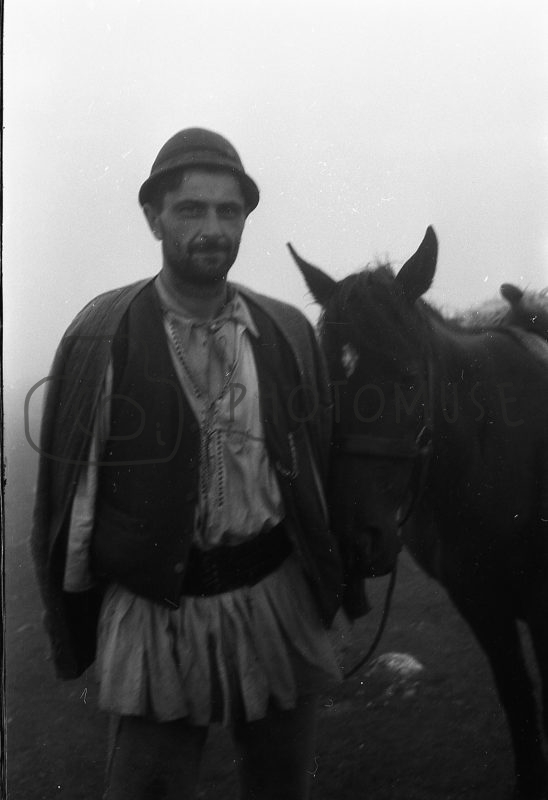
362,123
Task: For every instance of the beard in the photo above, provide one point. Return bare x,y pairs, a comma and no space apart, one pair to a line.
204,261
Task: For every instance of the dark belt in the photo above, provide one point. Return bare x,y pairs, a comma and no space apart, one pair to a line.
225,568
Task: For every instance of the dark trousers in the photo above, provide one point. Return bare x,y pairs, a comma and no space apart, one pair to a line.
161,761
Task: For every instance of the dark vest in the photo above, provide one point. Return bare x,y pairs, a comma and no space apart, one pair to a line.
148,481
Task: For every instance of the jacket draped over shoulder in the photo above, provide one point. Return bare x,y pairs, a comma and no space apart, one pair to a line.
73,390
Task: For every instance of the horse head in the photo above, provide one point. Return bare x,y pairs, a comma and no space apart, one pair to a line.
374,343
528,310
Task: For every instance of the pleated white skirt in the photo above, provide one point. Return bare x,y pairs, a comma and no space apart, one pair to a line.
214,659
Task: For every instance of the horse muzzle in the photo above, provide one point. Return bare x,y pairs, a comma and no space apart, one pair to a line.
375,550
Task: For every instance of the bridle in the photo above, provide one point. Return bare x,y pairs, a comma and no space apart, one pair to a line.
418,451
398,449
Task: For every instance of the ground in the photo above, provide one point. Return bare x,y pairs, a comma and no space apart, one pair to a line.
440,735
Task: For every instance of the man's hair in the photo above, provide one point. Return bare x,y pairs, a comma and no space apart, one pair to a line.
171,180
165,183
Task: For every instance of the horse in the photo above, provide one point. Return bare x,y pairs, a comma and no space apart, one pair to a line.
440,434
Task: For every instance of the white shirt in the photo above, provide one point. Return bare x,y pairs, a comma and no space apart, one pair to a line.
239,494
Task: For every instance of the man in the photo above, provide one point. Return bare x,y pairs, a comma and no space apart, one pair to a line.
180,536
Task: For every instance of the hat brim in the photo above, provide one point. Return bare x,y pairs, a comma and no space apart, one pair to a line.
249,188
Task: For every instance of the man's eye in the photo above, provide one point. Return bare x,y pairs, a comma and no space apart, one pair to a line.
229,212
190,210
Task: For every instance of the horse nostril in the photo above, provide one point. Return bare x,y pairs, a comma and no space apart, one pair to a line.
376,549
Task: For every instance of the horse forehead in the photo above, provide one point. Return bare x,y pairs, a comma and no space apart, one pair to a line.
368,319
369,342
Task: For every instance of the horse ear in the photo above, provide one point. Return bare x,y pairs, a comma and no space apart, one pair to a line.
511,293
321,285
417,274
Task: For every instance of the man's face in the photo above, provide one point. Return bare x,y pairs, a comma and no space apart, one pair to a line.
200,226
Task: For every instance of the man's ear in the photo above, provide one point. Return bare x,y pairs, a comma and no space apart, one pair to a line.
152,218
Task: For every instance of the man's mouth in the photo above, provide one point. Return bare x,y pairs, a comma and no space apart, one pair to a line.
210,252
208,246
217,250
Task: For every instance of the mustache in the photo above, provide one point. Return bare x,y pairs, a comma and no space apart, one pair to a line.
208,244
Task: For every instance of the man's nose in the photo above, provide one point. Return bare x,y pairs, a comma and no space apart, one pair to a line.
211,224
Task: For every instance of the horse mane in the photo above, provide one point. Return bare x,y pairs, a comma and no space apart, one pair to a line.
530,314
483,316
361,290
373,290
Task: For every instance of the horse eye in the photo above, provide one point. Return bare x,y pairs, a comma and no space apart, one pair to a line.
349,359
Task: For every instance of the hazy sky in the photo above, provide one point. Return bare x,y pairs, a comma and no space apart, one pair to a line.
362,122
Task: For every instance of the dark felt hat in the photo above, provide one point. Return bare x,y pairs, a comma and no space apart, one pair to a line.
197,147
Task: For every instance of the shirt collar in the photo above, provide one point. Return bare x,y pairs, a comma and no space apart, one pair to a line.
235,310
